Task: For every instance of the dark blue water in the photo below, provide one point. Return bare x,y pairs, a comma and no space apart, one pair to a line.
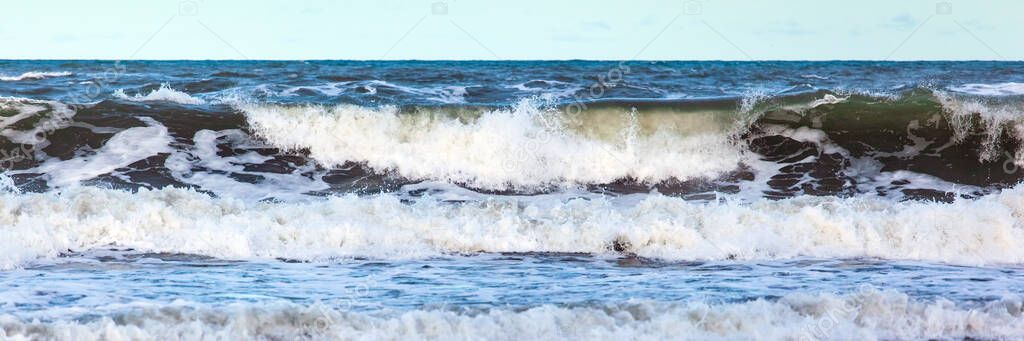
488,83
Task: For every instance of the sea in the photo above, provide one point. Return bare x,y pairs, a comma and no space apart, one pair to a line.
510,200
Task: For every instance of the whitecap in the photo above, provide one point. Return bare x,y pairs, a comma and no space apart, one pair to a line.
35,75
163,94
997,89
814,76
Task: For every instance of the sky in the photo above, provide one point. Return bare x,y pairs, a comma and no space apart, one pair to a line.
522,29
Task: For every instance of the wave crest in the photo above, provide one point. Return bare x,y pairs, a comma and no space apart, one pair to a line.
35,75
162,94
525,146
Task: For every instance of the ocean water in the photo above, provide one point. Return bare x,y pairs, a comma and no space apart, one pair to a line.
511,200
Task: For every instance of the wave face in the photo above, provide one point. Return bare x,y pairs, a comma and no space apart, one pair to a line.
438,200
921,144
524,147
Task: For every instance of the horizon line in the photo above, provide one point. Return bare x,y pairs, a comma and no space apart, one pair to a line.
513,60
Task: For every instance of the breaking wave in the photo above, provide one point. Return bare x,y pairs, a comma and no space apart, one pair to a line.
532,145
749,182
937,145
33,75
525,146
162,94
45,225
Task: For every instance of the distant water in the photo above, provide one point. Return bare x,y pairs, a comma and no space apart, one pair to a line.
510,200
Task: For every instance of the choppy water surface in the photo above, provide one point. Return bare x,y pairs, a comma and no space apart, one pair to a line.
318,199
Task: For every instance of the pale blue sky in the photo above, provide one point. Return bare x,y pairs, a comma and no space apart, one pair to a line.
525,29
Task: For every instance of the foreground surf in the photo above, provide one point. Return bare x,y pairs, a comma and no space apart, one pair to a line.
866,315
45,225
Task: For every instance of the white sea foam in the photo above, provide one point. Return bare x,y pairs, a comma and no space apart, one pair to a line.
750,104
201,165
443,94
7,184
57,115
524,146
865,315
22,109
42,225
828,99
124,148
814,76
999,89
329,89
451,94
994,118
163,94
551,89
34,75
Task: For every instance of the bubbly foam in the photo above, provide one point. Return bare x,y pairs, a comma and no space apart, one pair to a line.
164,94
998,89
43,225
21,110
994,118
547,89
525,146
34,75
56,115
123,149
7,184
866,315
201,165
451,94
